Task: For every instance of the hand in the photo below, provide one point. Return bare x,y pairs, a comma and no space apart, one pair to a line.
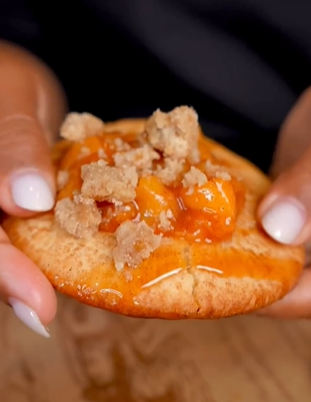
26,187
285,212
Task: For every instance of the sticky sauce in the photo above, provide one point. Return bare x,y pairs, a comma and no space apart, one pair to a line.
121,290
204,214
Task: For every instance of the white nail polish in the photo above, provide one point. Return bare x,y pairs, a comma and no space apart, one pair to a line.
30,191
28,317
284,221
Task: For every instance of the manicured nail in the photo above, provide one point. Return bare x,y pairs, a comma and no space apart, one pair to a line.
28,317
30,191
284,220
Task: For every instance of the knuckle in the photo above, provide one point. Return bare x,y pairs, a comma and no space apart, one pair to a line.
20,142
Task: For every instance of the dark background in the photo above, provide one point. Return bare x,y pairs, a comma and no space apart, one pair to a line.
240,64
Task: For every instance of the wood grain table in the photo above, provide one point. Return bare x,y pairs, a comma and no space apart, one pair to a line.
95,356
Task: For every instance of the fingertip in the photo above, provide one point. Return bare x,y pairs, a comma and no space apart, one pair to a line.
284,220
27,175
285,211
27,192
29,317
23,282
32,192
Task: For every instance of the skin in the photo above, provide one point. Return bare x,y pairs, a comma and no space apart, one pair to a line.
291,171
32,108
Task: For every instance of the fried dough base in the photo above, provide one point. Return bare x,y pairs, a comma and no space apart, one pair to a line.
179,280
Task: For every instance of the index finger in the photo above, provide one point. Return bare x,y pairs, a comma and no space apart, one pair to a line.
25,288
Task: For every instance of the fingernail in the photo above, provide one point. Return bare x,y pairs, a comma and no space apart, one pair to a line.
30,191
28,317
284,220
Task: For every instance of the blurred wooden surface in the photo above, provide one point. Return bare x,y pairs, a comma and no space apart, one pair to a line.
94,356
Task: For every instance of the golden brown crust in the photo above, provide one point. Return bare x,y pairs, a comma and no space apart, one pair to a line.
178,280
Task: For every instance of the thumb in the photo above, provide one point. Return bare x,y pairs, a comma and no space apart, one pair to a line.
26,172
285,212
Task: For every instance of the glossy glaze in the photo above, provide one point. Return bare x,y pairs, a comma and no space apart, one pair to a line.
208,214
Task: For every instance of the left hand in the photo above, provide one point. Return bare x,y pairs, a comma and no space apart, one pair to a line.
285,212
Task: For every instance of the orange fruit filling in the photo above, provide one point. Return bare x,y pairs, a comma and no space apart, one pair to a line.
153,198
114,215
203,213
210,210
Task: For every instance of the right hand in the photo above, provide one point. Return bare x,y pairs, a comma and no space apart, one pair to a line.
26,187
285,212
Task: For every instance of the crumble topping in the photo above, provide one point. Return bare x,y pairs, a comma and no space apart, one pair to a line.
121,145
78,126
175,133
85,151
217,170
192,178
223,175
102,182
166,218
171,170
135,242
79,217
102,154
141,157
